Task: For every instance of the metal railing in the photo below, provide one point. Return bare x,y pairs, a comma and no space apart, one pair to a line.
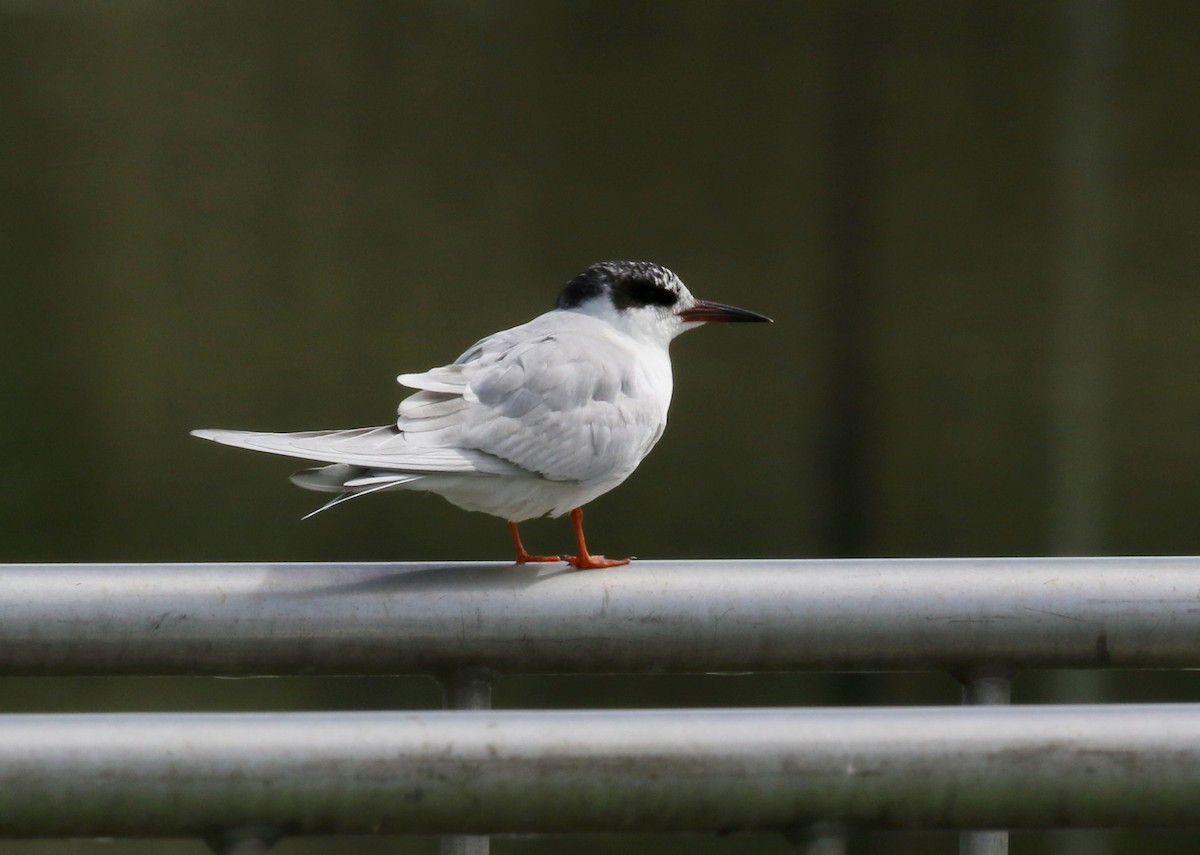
628,770
241,780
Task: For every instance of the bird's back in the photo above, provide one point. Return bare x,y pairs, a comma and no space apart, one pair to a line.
565,396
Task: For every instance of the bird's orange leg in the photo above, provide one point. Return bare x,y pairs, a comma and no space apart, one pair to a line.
584,560
524,557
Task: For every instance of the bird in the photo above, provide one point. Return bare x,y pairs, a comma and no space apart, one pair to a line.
536,420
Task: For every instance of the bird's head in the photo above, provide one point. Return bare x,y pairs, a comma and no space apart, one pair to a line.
644,300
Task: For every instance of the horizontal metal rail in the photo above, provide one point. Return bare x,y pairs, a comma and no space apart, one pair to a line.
652,616
662,770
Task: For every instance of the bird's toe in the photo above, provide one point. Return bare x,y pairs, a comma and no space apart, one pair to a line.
537,559
594,562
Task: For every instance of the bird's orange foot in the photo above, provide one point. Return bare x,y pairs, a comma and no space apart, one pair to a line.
526,558
585,560
594,562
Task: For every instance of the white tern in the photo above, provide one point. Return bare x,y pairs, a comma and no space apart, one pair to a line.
532,421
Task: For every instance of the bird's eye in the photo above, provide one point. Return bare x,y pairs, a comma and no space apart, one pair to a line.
652,294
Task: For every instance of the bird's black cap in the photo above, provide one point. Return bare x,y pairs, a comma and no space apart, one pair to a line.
629,284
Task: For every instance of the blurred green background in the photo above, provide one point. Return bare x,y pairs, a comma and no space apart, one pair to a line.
974,224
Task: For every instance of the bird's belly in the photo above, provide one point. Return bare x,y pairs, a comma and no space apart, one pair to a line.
512,498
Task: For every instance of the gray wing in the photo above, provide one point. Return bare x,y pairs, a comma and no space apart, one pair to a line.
562,396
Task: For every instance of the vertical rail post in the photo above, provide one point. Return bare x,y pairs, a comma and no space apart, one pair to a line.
1081,461
985,685
822,838
467,689
243,841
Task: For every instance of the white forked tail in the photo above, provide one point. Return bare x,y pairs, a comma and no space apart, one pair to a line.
384,447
